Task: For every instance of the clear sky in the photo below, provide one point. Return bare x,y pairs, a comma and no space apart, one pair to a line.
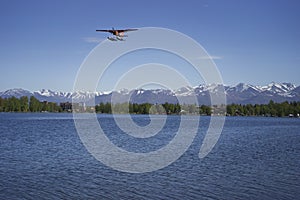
43,43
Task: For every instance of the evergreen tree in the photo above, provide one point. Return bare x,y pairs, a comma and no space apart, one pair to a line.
24,104
107,108
34,104
1,104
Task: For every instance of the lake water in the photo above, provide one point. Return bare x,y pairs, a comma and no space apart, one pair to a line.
42,157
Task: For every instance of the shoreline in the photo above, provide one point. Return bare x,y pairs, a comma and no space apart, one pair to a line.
231,116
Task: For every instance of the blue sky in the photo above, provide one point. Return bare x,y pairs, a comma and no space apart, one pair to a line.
43,43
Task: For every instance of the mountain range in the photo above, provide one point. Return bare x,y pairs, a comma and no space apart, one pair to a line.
240,94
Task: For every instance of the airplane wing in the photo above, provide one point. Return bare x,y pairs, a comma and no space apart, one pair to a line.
130,29
110,31
118,30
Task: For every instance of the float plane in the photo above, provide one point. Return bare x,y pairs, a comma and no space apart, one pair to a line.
119,34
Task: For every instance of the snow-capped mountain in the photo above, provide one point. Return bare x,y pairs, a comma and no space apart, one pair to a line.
278,88
17,92
246,93
241,93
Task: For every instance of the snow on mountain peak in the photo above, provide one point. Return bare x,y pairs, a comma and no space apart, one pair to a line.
45,92
16,92
184,90
278,87
242,87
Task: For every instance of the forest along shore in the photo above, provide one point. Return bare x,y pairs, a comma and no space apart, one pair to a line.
272,109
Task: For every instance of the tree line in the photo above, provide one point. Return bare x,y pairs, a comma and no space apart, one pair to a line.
32,104
271,109
147,108
23,104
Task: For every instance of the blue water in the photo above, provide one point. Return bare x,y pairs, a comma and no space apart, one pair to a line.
42,157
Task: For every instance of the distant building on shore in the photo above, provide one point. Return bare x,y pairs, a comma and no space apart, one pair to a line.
76,107
68,107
